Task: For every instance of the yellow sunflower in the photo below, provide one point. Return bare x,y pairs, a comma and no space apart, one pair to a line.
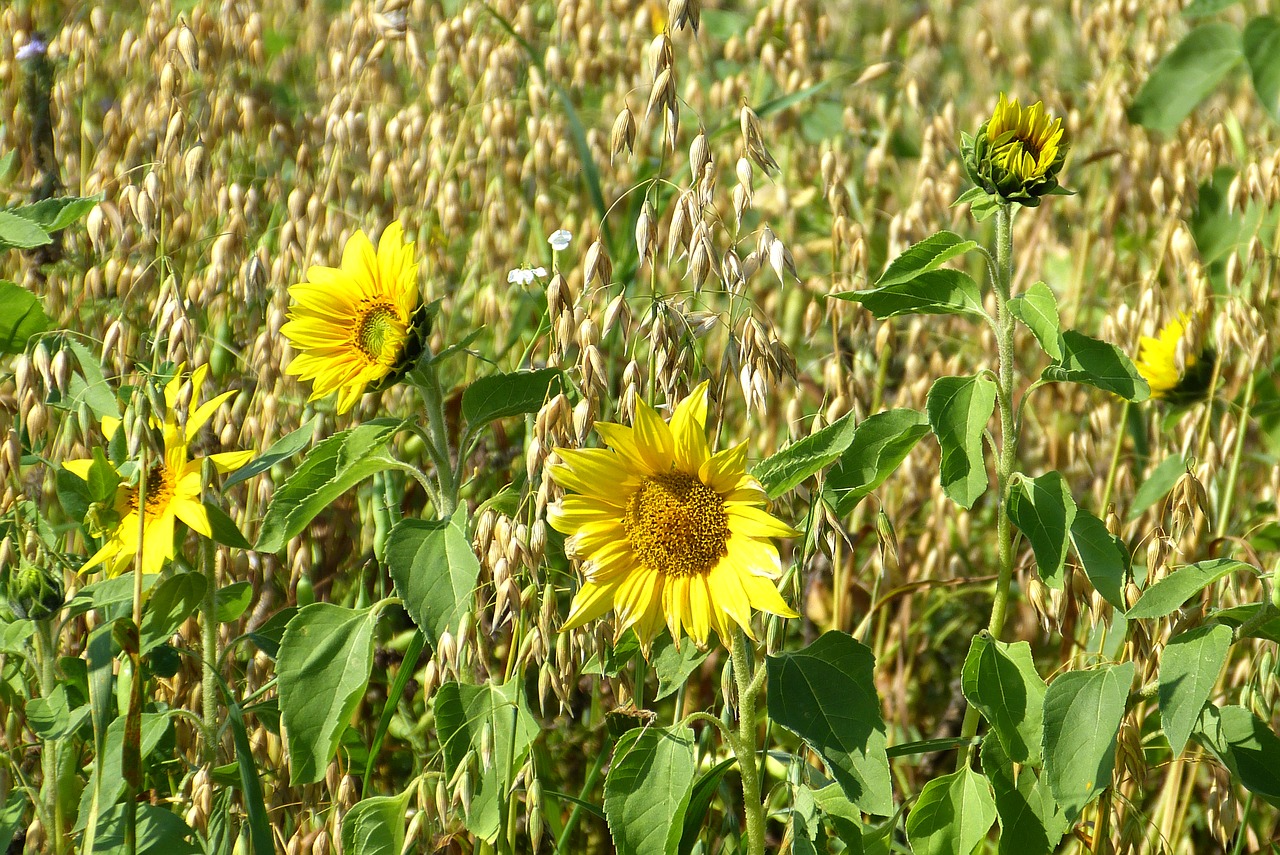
1175,364
173,486
1017,153
355,326
668,532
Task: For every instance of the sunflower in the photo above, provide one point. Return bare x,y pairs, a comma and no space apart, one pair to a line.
1175,364
358,327
173,486
668,531
1017,153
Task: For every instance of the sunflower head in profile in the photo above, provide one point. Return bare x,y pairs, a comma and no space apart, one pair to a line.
171,487
1177,364
669,533
359,327
1017,153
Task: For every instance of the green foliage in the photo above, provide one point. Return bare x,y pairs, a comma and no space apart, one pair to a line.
499,396
934,292
17,232
952,815
21,317
793,465
1044,511
1157,485
171,602
1030,820
1262,52
879,445
700,798
434,571
376,825
282,449
1100,364
1001,681
673,666
1102,555
825,694
1181,585
959,409
1189,668
1245,745
648,790
323,667
1037,309
925,256
1082,713
1186,76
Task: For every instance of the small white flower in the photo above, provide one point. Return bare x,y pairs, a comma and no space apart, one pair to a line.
31,49
525,275
559,239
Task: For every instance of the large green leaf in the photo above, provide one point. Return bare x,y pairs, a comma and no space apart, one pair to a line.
826,695
376,825
1082,713
1189,668
158,832
1262,50
153,727
54,215
880,443
1099,364
1186,76
1001,681
952,815
1158,484
647,790
170,604
502,395
959,409
704,790
1037,308
1030,822
1102,555
788,468
21,317
929,254
1246,746
329,470
323,666
281,449
1043,510
434,571
463,715
20,233
673,666
936,292
1182,584
11,813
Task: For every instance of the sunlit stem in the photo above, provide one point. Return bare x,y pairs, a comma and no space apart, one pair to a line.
744,743
46,644
209,650
1008,442
426,380
1115,457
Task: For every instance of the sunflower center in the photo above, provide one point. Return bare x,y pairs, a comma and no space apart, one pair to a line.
677,525
380,334
159,491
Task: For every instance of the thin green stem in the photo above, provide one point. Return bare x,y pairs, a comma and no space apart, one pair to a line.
1115,458
1242,429
744,744
575,815
209,650
424,377
46,644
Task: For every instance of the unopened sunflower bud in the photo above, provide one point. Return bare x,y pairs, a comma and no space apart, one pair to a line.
1017,153
35,593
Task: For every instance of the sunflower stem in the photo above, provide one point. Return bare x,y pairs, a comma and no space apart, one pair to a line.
744,744
1008,445
209,649
425,378
46,646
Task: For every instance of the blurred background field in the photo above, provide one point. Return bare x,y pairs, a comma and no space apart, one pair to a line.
235,144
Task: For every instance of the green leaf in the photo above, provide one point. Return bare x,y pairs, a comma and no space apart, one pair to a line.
1203,8
1082,713
704,790
20,233
323,667
171,602
54,215
959,409
281,449
673,667
329,470
844,816
982,205
14,808
463,714
952,815
1030,822
376,825
1186,76
231,601
224,528
21,317
250,784
110,762
880,443
936,292
1262,50
826,695
784,471
434,571
159,832
1001,681
1189,668
15,636
647,790
51,717
502,395
1043,510
1246,746
929,254
1102,555
1182,584
1099,364
1037,308
1158,484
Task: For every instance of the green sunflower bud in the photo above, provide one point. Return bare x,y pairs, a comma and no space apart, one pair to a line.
1017,153
34,593
414,344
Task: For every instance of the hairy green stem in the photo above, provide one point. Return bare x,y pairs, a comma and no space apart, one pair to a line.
46,644
427,381
1008,444
744,744
209,650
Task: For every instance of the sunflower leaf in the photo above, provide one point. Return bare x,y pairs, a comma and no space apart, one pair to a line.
959,409
933,292
1001,681
1182,584
647,790
54,215
434,571
1037,308
1186,75
1262,50
929,254
17,232
1099,364
791,466
376,825
1043,510
1102,555
281,449
501,395
329,470
952,815
21,317
880,443
171,602
1082,713
1246,745
1030,821
1189,667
